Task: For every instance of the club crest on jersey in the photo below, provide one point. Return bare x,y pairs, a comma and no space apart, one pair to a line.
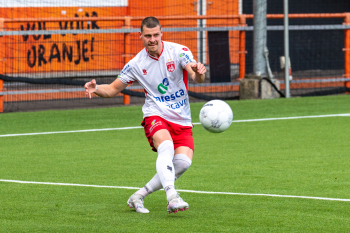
144,72
170,66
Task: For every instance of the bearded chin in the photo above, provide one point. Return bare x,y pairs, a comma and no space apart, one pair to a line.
153,48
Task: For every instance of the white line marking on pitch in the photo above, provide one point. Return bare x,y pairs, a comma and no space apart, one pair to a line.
71,131
197,123
180,190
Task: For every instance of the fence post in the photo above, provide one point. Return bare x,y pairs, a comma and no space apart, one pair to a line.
242,52
347,50
2,57
127,51
259,37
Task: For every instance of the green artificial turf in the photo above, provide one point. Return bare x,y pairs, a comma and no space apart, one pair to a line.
290,159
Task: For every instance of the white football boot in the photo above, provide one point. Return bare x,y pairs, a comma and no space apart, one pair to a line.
176,203
136,202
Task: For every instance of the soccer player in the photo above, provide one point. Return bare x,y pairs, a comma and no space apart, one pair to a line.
162,68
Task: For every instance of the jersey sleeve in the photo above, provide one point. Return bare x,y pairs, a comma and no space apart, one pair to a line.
127,75
185,56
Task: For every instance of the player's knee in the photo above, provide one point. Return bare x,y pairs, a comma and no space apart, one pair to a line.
181,164
166,146
160,137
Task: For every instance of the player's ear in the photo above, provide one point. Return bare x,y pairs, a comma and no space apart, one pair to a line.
140,34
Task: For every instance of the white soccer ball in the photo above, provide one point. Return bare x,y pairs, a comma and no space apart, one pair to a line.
216,116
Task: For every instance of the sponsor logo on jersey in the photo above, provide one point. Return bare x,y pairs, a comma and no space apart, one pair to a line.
144,72
154,124
178,104
126,70
163,87
186,57
170,66
167,98
185,49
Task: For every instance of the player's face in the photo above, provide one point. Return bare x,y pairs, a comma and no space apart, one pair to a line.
151,39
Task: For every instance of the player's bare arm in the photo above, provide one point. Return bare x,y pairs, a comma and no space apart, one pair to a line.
105,91
196,71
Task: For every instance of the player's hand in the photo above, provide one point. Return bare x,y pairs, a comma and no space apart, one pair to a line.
90,87
198,68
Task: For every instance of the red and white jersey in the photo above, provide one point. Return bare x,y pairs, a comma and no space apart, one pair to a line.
165,82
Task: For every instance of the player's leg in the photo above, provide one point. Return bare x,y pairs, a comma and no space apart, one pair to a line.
166,171
182,161
184,147
163,142
151,125
156,130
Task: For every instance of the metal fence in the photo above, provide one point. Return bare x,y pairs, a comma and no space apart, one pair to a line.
45,61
